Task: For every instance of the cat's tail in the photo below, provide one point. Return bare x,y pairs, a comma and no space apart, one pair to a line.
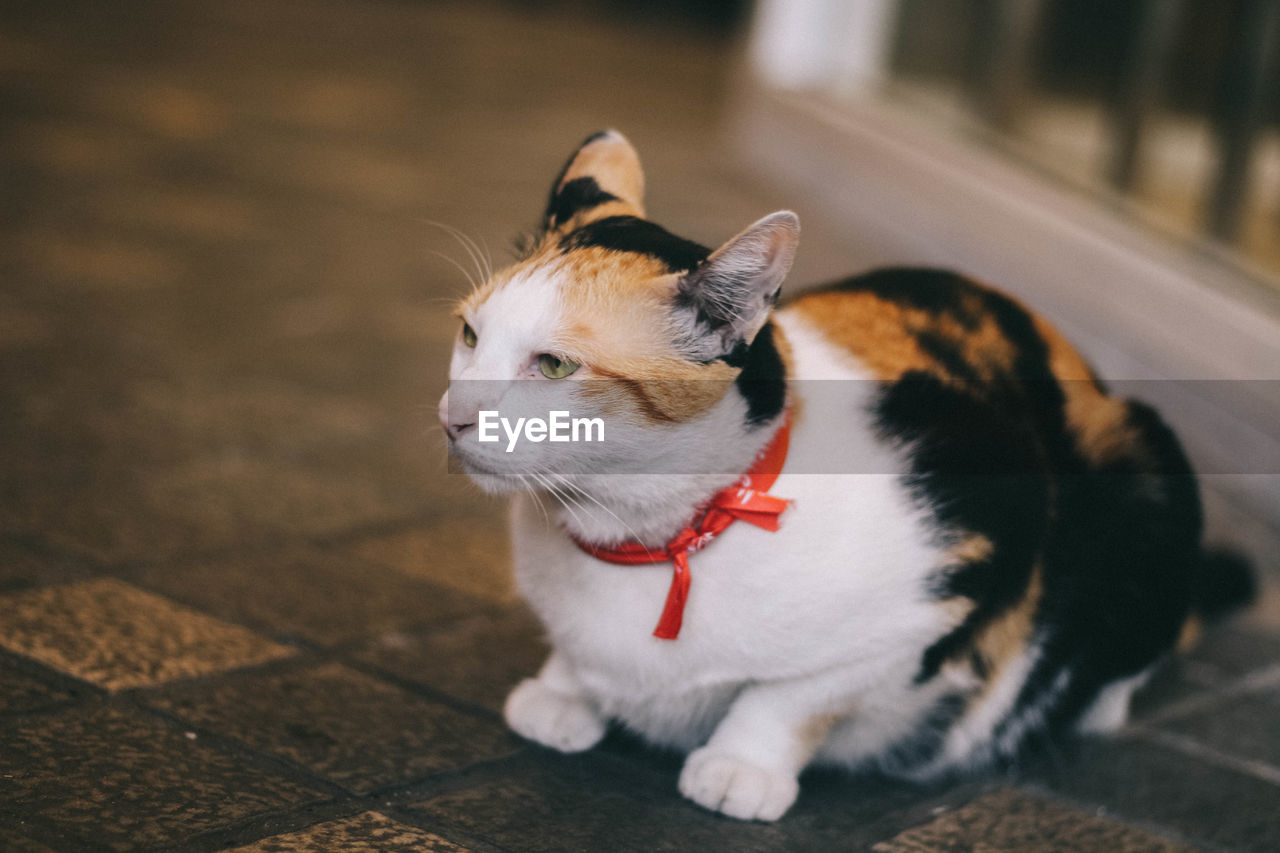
1224,583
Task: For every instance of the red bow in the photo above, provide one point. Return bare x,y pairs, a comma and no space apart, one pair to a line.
745,500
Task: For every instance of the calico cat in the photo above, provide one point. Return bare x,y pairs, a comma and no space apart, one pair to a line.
1004,559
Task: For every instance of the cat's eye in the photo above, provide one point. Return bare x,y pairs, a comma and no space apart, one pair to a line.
468,335
555,368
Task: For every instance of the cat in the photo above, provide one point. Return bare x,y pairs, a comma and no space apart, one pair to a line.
1004,556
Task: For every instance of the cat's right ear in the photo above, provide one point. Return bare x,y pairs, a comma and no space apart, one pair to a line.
727,299
602,178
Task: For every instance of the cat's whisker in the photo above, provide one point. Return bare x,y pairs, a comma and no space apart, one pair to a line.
546,488
482,254
537,500
576,491
555,493
564,499
465,272
468,245
488,257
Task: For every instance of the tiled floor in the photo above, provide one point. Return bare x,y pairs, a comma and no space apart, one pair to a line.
243,604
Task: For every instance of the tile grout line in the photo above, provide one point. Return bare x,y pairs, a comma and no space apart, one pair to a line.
1092,807
1188,746
327,539
394,802
1251,682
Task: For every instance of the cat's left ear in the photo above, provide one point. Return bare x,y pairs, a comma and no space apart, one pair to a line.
602,178
727,299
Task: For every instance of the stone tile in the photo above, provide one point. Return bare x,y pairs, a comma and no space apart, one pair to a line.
253,432
323,598
225,334
116,636
1224,654
369,832
21,692
12,842
343,725
470,554
551,802
179,470
1243,725
477,659
1265,612
125,779
1010,821
23,568
1202,802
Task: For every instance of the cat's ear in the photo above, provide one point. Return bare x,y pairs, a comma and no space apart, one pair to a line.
727,299
602,178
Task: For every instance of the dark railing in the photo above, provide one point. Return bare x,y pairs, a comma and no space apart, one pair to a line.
1000,71
1247,88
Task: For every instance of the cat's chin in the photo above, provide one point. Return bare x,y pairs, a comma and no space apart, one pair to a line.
497,484
493,482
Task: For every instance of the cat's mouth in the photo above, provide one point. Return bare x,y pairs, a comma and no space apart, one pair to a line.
491,479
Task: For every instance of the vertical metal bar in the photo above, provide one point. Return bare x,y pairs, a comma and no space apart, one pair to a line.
1138,97
1003,38
1250,65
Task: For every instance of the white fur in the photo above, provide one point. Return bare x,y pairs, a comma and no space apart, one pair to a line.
1110,710
797,646
784,633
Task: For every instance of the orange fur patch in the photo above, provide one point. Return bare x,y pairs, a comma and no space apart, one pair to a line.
1100,423
814,731
972,549
1005,637
872,329
615,167
1189,636
616,324
883,334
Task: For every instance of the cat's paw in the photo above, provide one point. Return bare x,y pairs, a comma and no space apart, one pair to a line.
538,713
726,783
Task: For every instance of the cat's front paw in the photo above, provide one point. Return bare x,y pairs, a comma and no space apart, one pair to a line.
726,783
538,713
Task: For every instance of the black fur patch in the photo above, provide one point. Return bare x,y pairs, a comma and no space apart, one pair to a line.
576,195
934,291
946,353
978,470
1224,582
1121,568
763,380
632,234
737,357
564,170
694,290
984,454
925,743
1118,544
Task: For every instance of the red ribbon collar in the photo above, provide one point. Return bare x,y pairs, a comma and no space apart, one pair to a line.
745,500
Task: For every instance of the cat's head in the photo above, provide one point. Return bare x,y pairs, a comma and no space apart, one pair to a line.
609,315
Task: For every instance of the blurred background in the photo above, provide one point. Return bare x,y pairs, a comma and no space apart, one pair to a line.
225,226
1116,165
1169,105
226,270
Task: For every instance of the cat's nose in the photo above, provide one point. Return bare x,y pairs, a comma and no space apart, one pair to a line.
455,426
456,430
